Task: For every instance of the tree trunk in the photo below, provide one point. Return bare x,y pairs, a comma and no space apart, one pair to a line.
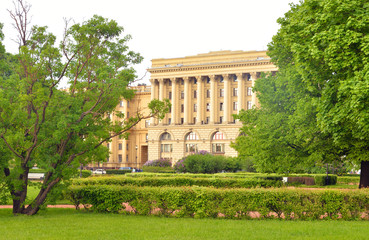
364,175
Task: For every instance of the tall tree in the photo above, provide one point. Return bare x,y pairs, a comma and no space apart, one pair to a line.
326,42
59,129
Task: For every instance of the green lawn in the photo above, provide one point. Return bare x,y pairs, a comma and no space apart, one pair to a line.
72,224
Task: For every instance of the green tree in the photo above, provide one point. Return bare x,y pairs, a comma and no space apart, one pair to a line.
329,42
325,42
59,129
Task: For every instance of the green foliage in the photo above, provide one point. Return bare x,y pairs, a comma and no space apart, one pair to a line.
200,202
184,181
117,171
325,180
155,169
207,163
59,130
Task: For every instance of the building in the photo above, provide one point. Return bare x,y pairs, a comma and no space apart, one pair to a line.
131,152
205,91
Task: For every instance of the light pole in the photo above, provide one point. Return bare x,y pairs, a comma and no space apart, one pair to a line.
136,156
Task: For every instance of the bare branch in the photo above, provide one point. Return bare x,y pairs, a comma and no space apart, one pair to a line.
21,21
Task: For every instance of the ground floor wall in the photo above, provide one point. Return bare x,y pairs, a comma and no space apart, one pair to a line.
187,139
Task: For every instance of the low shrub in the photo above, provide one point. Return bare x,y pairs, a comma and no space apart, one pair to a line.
158,163
154,169
204,162
117,171
201,202
323,180
181,181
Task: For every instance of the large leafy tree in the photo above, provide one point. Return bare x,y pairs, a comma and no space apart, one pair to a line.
326,43
59,129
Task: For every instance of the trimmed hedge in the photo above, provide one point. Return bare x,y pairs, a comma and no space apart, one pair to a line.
200,202
117,171
180,181
348,179
156,169
325,180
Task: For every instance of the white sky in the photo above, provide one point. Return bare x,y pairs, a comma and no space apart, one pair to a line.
165,28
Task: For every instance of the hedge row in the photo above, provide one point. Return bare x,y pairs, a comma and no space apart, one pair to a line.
203,175
181,181
200,202
348,179
117,171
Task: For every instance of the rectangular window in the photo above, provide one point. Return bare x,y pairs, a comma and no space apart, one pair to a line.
120,158
191,147
208,107
170,95
147,137
218,147
121,103
169,120
207,80
207,119
108,146
166,148
221,92
127,146
170,109
182,95
208,93
249,91
127,158
127,104
235,106
220,119
182,82
235,78
194,120
195,94
120,146
235,92
182,108
221,106
170,83
182,120
107,159
127,114
249,104
147,123
195,107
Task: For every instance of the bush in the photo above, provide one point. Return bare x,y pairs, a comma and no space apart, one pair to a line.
322,180
117,171
155,169
181,181
203,162
201,202
159,163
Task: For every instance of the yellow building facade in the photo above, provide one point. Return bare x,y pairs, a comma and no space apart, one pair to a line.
205,91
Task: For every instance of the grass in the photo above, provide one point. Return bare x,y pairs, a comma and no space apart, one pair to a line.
72,224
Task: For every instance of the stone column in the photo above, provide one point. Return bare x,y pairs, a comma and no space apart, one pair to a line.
200,101
174,101
187,102
240,92
153,91
213,99
253,77
161,95
227,95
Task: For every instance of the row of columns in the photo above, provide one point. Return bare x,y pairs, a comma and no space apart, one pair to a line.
200,98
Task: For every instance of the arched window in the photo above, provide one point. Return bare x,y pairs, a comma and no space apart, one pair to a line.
165,147
165,136
218,136
191,147
217,144
191,136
